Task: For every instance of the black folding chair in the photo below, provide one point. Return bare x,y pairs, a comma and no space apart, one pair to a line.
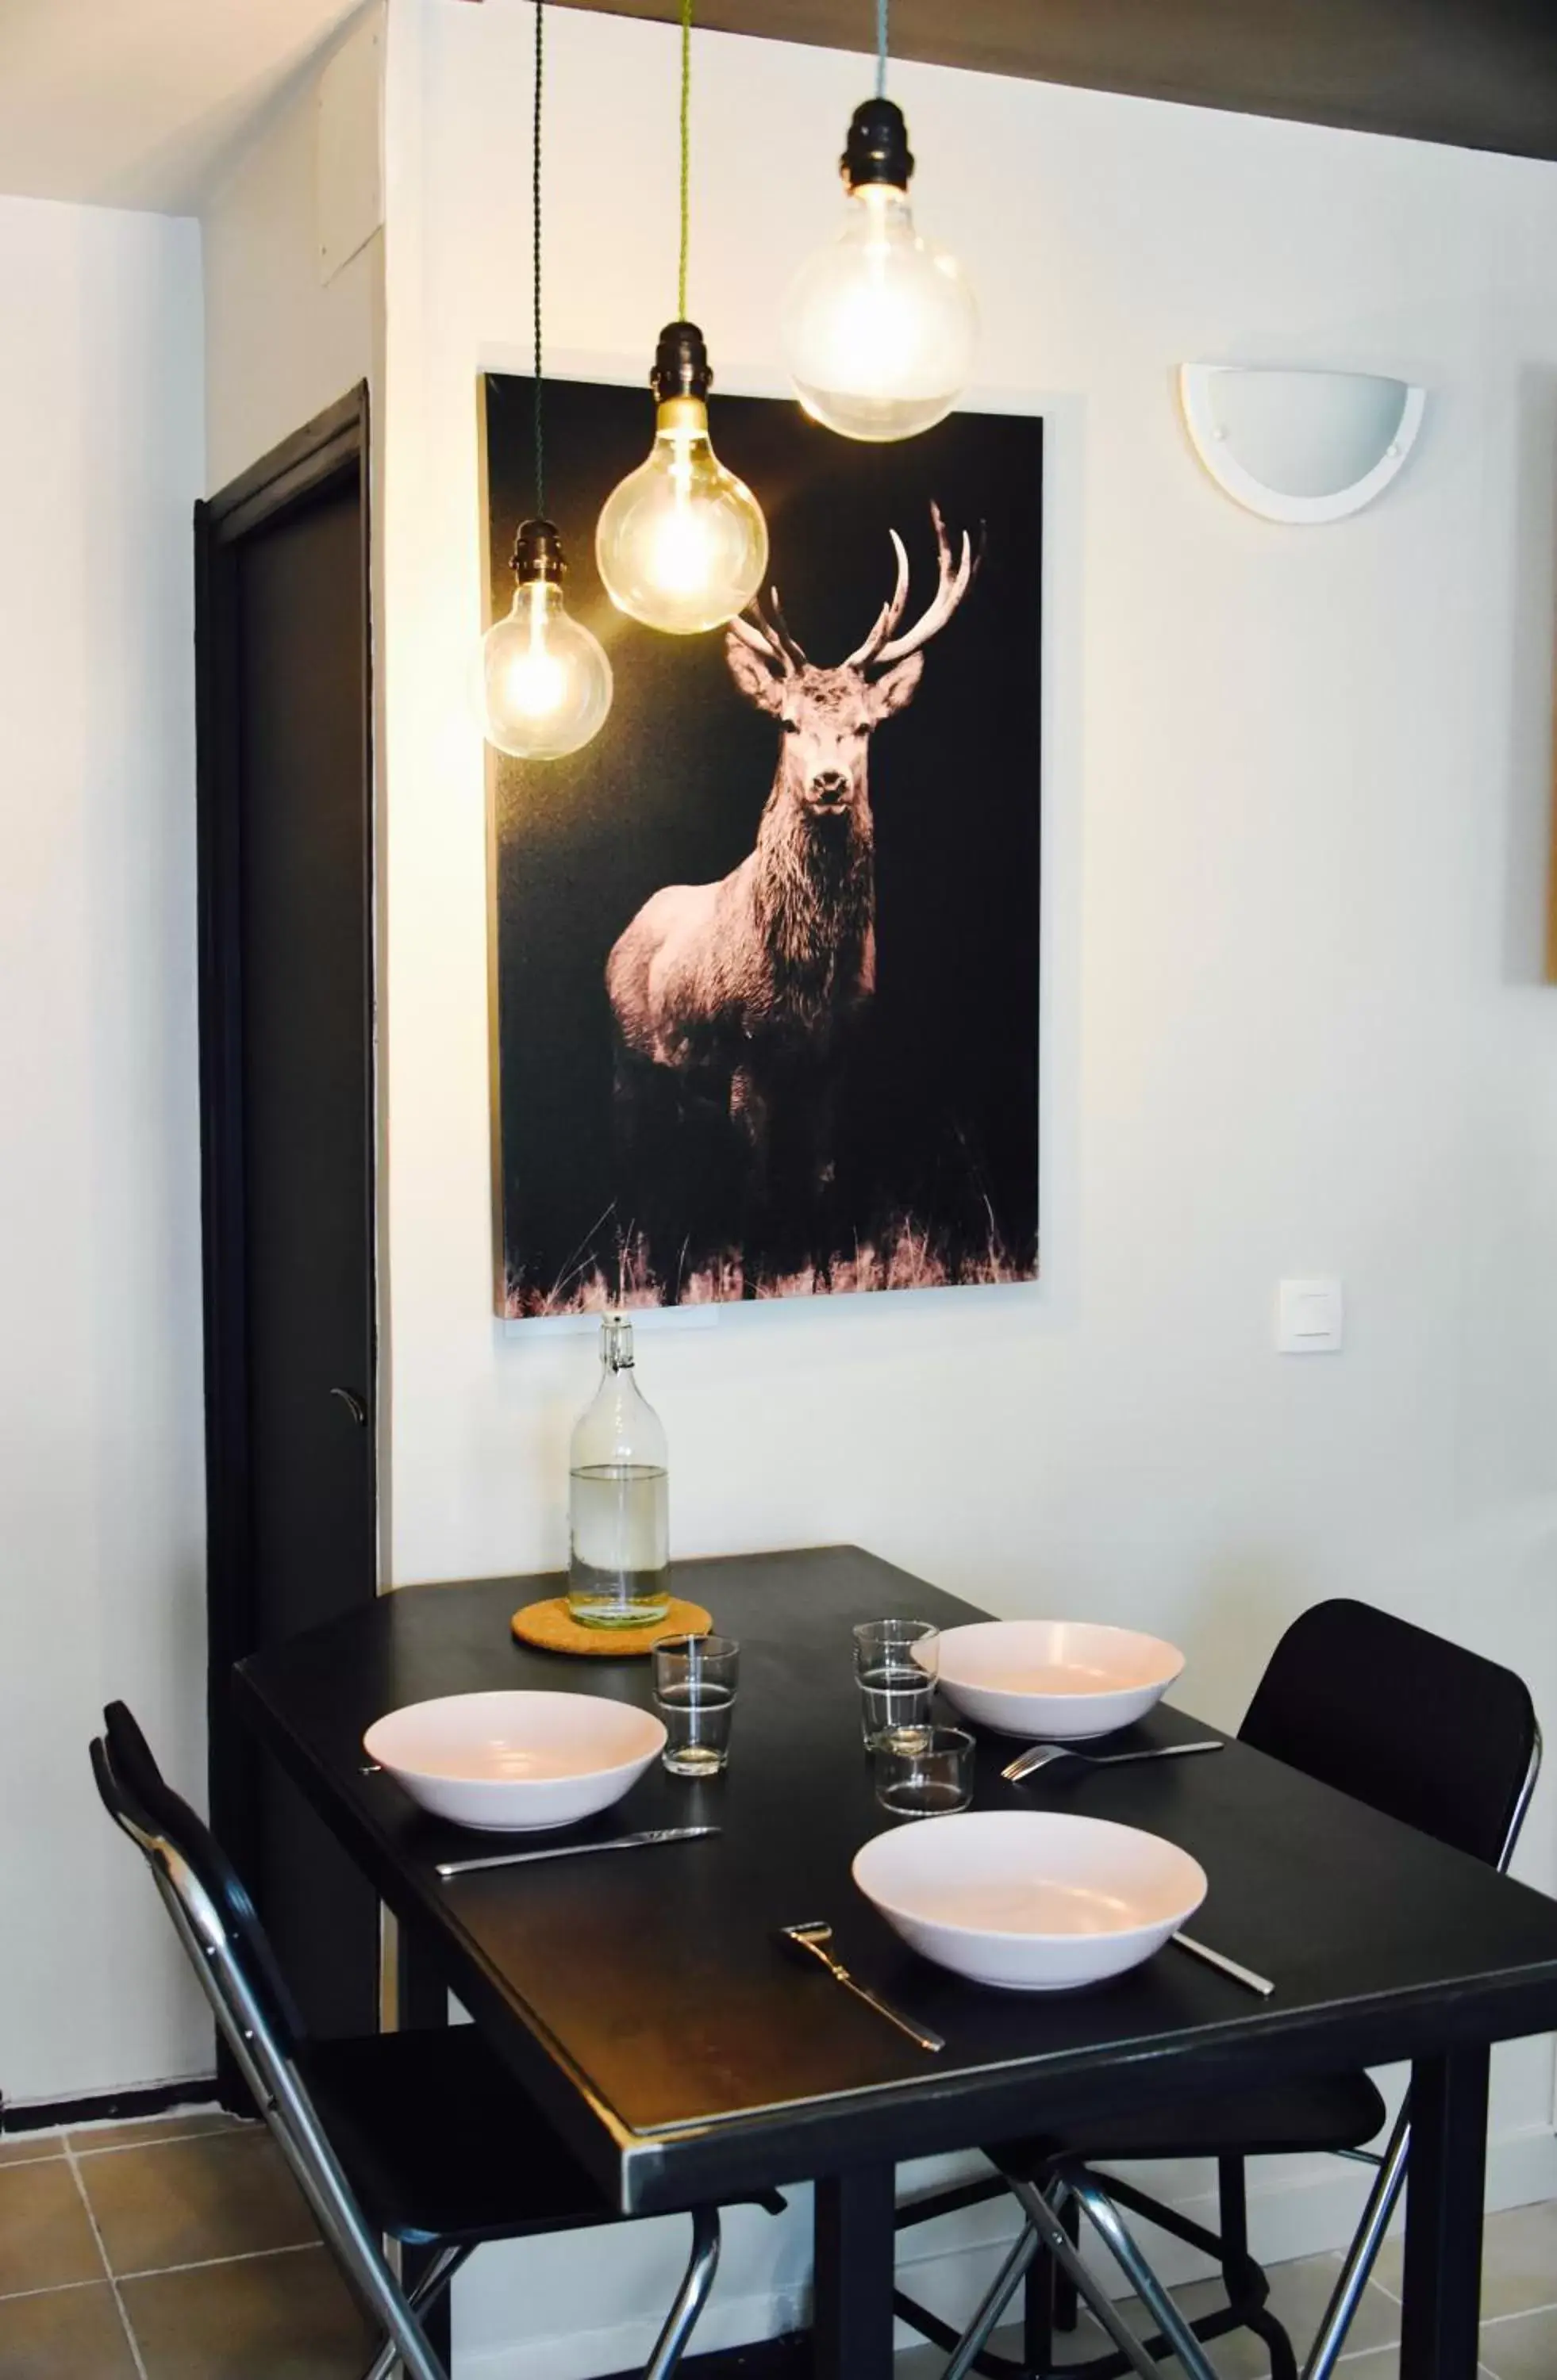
1415,1727
422,2137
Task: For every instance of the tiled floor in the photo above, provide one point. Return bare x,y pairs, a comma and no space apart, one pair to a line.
180,2250
1518,2304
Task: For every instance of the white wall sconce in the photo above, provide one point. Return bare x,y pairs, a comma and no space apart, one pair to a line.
1299,447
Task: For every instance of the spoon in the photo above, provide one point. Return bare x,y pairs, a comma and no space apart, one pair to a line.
1043,1755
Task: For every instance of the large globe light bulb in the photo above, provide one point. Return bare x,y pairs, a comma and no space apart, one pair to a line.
545,681
681,542
879,326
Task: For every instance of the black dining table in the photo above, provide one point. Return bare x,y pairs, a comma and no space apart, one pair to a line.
685,2058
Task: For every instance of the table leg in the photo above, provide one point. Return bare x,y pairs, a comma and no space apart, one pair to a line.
1447,2175
852,2321
422,2000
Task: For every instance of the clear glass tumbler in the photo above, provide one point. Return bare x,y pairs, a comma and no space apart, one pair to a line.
895,1663
695,1681
924,1772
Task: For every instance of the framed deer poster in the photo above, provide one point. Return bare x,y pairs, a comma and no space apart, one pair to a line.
765,953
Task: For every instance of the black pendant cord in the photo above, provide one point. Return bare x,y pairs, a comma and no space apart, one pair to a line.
884,23
685,155
535,222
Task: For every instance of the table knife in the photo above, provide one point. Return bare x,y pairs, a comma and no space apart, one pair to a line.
573,1851
1245,1975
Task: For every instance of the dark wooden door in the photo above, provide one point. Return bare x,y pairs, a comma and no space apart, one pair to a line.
286,876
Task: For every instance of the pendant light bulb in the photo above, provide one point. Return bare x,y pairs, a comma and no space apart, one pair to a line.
545,681
681,542
541,682
879,326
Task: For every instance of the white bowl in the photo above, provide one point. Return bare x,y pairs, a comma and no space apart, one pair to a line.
515,1759
1032,1901
1053,1680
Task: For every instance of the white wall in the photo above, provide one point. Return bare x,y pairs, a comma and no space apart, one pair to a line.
281,342
1294,790
101,1587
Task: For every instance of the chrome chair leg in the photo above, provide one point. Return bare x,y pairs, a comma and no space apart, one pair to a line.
430,2286
1363,2253
1109,2226
1045,2220
691,2299
384,2363
361,2253
290,2115
997,2297
439,2273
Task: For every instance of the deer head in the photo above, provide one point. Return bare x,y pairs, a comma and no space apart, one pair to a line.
829,715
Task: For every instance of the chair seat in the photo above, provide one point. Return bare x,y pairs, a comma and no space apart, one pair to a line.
439,2141
1280,2119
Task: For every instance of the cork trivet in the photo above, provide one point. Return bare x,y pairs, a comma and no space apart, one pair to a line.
552,1627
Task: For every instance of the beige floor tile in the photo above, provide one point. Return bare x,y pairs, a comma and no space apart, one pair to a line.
219,2194
26,2148
929,2362
45,2239
1518,2261
263,2316
64,2335
1522,2347
1384,2363
1299,2294
150,2130
1077,2346
1087,2341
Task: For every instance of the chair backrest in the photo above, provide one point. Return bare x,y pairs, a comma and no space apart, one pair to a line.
132,1786
1403,1720
216,1921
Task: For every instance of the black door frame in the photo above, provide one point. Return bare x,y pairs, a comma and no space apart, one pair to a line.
328,451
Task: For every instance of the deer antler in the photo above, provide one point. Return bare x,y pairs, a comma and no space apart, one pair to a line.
888,616
794,651
771,638
775,639
955,580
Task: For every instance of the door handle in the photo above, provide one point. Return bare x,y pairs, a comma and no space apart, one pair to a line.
354,1406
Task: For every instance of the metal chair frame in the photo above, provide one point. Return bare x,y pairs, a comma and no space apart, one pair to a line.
283,2099
1072,2184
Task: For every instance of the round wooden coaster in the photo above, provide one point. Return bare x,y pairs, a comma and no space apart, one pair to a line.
552,1627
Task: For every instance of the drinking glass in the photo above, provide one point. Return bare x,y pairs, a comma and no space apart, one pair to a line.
895,1663
695,1679
923,1772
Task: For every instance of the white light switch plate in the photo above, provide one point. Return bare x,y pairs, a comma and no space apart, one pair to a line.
1310,1318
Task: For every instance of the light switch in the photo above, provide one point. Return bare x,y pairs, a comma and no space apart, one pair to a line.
1310,1318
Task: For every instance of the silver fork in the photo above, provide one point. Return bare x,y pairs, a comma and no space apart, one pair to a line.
1043,1755
814,1939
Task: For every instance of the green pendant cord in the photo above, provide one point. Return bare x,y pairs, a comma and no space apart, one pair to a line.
686,151
882,27
535,225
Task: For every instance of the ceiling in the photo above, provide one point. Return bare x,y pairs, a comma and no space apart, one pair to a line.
1481,74
133,103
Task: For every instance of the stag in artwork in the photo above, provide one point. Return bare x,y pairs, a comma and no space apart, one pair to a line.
746,994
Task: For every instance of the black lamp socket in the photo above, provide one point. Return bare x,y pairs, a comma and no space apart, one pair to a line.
877,148
681,364
538,553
